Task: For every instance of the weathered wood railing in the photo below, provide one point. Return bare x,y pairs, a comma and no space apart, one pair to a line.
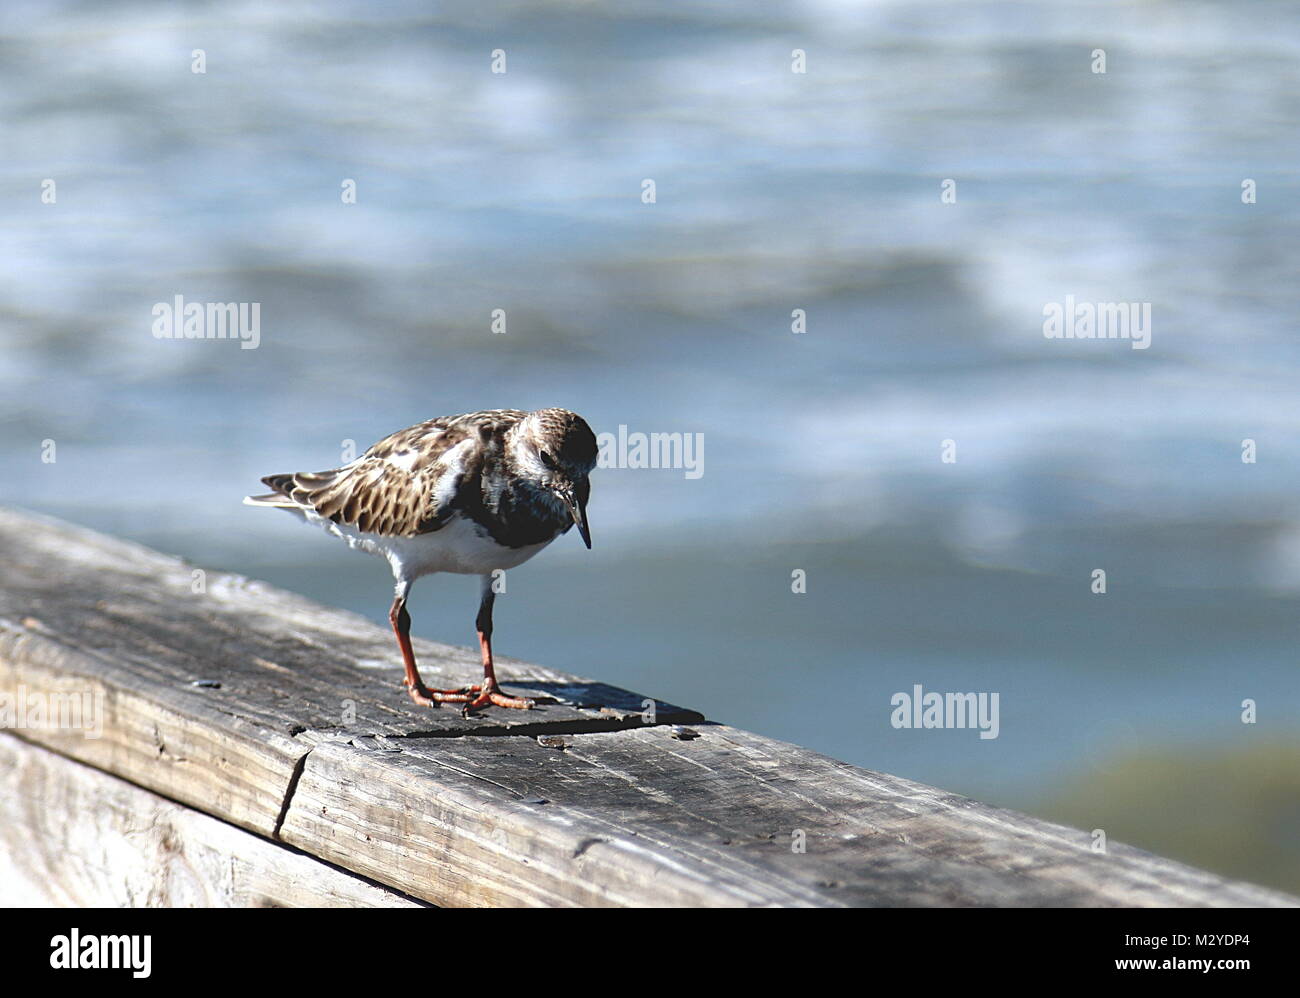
255,748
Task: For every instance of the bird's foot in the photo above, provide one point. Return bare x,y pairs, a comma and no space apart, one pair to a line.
491,695
426,697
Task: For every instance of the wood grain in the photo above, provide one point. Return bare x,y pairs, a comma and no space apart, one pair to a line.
73,836
264,710
640,818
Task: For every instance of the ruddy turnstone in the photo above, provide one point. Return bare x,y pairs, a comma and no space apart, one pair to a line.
468,494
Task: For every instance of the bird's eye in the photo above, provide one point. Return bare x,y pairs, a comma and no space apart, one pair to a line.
547,461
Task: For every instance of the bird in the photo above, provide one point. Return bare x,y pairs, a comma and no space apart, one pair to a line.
471,494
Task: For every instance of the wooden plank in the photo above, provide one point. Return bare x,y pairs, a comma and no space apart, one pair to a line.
72,836
639,817
94,617
309,738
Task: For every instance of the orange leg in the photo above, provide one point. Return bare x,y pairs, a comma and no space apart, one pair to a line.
490,693
401,621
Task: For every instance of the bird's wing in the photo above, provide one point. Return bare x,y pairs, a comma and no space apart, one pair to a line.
402,486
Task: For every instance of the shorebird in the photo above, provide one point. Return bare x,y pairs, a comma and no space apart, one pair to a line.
470,494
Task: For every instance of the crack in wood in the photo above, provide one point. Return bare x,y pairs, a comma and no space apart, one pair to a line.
289,791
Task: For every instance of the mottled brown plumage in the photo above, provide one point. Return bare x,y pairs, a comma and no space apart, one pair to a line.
413,481
472,494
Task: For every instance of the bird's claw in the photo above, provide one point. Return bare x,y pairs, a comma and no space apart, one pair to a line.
492,696
425,697
474,697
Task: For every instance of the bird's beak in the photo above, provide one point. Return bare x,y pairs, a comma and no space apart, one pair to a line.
579,514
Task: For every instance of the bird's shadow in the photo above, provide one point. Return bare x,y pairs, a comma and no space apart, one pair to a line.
607,699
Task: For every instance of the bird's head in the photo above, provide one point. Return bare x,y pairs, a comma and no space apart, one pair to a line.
557,450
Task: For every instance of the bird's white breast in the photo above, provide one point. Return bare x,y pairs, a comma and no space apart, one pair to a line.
459,546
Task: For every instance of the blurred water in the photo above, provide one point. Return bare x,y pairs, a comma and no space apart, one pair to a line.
776,191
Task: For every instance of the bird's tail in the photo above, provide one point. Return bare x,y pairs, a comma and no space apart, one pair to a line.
274,500
278,499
